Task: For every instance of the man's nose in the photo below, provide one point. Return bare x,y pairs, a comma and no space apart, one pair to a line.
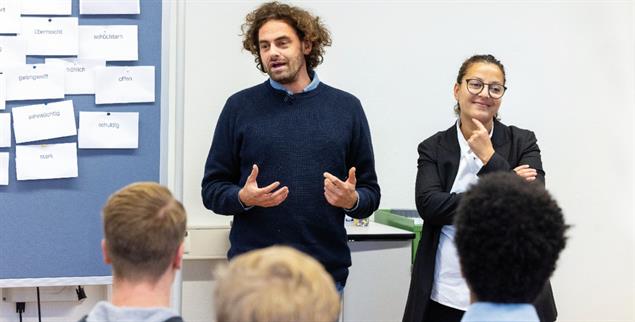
274,51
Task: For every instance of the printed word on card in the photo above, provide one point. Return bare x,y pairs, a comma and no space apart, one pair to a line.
108,130
79,74
125,84
53,36
42,122
33,82
9,16
46,161
110,43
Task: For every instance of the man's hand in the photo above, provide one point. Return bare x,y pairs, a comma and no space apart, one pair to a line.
251,195
480,142
524,171
340,193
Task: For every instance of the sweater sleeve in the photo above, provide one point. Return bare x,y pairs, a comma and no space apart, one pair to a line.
362,158
222,168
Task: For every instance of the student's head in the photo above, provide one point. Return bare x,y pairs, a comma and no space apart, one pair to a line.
479,88
144,227
275,284
285,40
509,234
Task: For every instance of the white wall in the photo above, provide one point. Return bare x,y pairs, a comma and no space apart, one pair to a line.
571,72
571,78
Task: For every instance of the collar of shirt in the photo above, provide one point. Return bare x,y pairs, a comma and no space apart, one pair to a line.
315,81
496,312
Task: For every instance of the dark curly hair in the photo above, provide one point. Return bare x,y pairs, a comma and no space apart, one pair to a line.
509,234
306,26
486,58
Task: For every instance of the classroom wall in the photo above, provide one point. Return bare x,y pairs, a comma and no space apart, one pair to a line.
571,72
571,78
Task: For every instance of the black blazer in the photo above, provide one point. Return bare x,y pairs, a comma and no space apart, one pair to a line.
438,164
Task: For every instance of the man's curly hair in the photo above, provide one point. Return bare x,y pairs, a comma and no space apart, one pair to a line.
509,234
306,26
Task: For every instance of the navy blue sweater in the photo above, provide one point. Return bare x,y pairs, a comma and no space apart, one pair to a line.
293,139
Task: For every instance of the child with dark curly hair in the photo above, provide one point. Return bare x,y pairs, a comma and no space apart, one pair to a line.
509,234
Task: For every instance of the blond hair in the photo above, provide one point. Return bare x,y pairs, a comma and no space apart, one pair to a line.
275,284
143,227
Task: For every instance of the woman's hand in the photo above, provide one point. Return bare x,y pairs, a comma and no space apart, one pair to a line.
524,171
480,142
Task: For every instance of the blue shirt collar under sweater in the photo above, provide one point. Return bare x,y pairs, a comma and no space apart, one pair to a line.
315,81
507,312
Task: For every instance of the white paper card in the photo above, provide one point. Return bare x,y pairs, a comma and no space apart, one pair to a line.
4,168
47,7
110,43
79,74
9,16
46,161
108,130
3,92
109,7
5,130
12,52
41,122
125,84
52,36
38,81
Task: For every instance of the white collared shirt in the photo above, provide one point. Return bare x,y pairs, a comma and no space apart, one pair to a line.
449,287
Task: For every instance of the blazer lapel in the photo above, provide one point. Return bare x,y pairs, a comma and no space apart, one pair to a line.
449,157
450,152
500,139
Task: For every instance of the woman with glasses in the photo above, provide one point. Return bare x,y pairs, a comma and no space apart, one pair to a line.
449,161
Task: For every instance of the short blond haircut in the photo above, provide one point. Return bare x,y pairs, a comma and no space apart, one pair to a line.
275,284
143,227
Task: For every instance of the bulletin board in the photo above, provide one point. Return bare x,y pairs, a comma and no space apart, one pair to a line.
50,230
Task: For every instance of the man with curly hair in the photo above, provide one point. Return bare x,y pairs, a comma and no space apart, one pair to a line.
292,155
509,234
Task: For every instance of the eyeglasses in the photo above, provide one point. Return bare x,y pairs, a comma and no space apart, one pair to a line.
475,87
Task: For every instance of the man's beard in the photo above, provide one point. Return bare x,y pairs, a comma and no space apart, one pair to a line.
291,74
285,78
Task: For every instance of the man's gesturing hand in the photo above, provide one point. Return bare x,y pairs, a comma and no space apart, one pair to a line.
251,195
340,193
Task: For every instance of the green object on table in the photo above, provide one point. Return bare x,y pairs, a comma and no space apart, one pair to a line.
406,219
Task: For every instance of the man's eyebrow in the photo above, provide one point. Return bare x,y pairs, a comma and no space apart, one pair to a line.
277,39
